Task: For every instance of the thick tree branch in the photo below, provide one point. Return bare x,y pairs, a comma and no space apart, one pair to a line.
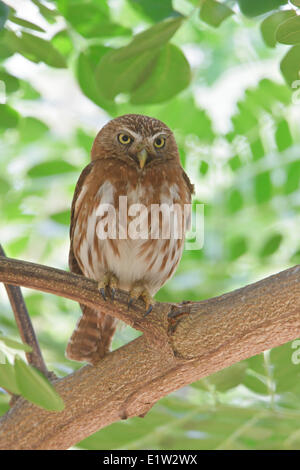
84,291
174,351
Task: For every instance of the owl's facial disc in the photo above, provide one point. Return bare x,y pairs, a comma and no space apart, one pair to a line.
142,148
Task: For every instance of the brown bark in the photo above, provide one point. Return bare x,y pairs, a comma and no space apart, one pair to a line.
24,325
175,350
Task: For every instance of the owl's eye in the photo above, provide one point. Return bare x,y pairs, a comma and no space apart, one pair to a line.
159,142
124,139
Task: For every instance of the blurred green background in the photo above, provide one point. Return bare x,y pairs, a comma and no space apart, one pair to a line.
225,77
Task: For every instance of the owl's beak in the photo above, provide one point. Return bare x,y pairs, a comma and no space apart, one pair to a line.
142,156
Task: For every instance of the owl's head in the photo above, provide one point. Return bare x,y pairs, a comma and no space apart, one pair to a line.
139,140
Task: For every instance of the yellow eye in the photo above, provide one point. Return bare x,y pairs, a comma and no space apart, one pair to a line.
124,139
159,142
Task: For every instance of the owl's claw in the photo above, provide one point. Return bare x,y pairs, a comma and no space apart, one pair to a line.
139,291
110,282
149,310
112,293
102,292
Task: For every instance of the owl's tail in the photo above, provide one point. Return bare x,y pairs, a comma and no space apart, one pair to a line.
92,336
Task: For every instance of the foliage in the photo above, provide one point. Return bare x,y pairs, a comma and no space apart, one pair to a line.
67,66
22,379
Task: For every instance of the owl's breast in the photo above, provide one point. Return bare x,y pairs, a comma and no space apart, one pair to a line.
134,246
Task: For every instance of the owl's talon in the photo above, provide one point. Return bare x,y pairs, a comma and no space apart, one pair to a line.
148,311
138,291
109,282
112,293
102,292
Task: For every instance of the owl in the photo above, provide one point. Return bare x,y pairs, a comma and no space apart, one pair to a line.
128,221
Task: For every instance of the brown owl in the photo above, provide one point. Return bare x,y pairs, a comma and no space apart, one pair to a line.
121,234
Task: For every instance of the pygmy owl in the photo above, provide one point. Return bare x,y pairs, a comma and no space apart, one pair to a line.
135,165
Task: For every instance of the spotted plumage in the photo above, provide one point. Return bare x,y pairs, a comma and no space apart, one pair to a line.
134,159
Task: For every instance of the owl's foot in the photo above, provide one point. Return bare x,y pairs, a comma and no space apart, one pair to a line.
109,282
140,292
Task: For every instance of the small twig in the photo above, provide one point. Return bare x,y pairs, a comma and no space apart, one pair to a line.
24,324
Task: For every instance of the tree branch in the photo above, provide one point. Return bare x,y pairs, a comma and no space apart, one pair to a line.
23,321
198,339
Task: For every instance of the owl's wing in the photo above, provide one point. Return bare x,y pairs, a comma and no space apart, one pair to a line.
94,331
190,191
187,181
73,264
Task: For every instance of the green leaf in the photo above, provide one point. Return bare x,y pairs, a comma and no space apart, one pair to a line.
4,186
290,65
5,51
12,83
271,245
229,377
258,7
270,25
11,343
225,379
245,121
255,377
8,378
84,140
36,388
182,113
62,217
114,76
283,135
235,163
286,376
124,70
2,357
257,149
295,258
17,246
237,247
263,187
235,200
156,36
265,97
156,10
35,49
85,68
31,129
25,23
255,383
48,13
4,408
292,178
92,20
170,75
295,2
29,93
214,13
4,12
63,43
269,91
51,168
203,167
289,31
8,117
